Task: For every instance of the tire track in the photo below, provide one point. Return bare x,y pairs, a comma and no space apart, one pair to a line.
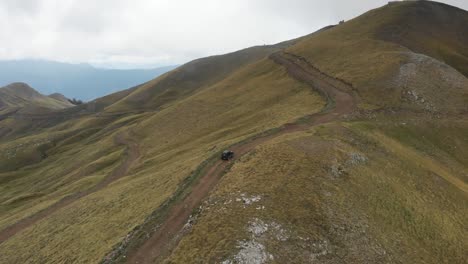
132,154
340,103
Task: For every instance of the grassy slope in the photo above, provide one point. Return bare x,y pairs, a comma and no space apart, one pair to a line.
431,28
404,202
173,142
381,190
353,193
150,96
369,51
23,166
21,95
188,78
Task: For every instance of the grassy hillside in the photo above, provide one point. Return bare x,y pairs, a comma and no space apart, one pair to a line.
188,78
150,96
17,95
431,28
380,54
381,189
172,143
315,180
365,192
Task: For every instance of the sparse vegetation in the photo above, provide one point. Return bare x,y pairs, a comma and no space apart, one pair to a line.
173,142
21,95
379,202
371,52
75,101
384,184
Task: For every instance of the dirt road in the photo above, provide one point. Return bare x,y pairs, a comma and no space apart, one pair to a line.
132,153
340,103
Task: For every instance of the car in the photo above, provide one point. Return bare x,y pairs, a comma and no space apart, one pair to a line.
227,155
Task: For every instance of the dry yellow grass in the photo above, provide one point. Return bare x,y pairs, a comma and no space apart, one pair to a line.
338,194
17,95
421,160
370,50
173,141
371,191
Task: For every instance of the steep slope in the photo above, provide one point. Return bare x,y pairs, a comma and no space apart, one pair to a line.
172,142
385,52
190,77
435,29
158,244
383,188
370,192
150,96
350,148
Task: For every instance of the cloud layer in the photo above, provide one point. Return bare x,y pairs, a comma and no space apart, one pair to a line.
144,33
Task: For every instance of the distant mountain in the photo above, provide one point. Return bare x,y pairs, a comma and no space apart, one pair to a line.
81,81
18,95
59,97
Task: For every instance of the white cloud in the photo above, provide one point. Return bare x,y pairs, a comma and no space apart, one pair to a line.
159,32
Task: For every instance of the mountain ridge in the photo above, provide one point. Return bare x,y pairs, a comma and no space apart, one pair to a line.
80,81
349,148
19,95
356,52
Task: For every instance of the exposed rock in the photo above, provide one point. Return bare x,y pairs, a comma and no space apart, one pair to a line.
251,252
337,170
279,233
319,249
248,200
428,84
257,227
254,250
356,158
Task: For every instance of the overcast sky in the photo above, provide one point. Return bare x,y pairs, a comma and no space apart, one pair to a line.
146,33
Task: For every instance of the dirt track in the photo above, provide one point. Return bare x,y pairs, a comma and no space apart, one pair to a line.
132,154
340,103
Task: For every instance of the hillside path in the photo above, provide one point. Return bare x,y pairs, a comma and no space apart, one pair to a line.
340,103
132,153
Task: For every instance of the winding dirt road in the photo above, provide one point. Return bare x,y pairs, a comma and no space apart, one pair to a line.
132,153
340,103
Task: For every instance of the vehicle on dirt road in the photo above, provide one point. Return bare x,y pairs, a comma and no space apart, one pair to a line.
227,155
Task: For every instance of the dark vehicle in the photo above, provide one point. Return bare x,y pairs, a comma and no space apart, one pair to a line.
227,155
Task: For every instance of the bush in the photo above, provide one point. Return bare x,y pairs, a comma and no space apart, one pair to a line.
75,101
